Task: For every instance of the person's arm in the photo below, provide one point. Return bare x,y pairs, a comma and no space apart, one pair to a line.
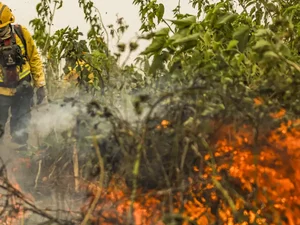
35,62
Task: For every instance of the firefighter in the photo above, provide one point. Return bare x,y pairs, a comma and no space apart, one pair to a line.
21,71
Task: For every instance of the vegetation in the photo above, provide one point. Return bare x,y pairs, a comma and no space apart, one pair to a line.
213,137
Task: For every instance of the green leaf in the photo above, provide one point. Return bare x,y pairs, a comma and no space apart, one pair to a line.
162,32
258,16
147,36
192,37
227,80
156,64
241,31
186,22
207,38
242,35
252,11
228,18
254,70
271,55
262,32
156,45
272,7
239,58
160,12
60,5
216,45
38,7
232,44
218,6
250,3
176,36
260,44
187,46
121,47
133,46
285,50
208,111
180,34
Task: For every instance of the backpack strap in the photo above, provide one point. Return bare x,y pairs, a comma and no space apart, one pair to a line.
18,29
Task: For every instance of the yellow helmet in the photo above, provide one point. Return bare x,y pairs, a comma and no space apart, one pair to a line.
6,16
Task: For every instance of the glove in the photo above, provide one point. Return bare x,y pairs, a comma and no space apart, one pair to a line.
40,95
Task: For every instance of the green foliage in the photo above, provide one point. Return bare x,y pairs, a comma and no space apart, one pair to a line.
150,11
198,72
67,44
237,53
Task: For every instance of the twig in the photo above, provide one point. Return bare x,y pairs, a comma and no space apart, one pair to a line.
225,194
126,59
101,180
135,172
49,30
38,174
293,64
215,181
168,26
76,168
32,208
105,30
170,217
15,193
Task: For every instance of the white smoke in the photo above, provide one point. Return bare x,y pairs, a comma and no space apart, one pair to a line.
53,117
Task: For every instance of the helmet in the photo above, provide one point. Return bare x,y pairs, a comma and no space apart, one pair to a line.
6,16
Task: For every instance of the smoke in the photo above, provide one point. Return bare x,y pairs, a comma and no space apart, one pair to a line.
61,115
56,117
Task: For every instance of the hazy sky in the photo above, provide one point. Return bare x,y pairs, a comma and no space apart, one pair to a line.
72,15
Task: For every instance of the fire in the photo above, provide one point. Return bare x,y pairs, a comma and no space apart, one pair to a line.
163,124
266,179
245,181
115,204
13,211
272,173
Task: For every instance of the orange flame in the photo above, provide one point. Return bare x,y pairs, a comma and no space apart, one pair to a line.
270,174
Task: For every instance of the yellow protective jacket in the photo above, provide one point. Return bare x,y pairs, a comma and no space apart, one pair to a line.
33,66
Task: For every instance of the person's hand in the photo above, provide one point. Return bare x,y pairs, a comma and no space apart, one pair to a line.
40,95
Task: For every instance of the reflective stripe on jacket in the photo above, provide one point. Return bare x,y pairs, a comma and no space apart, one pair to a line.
33,66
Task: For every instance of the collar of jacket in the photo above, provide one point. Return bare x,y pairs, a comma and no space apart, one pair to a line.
5,33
